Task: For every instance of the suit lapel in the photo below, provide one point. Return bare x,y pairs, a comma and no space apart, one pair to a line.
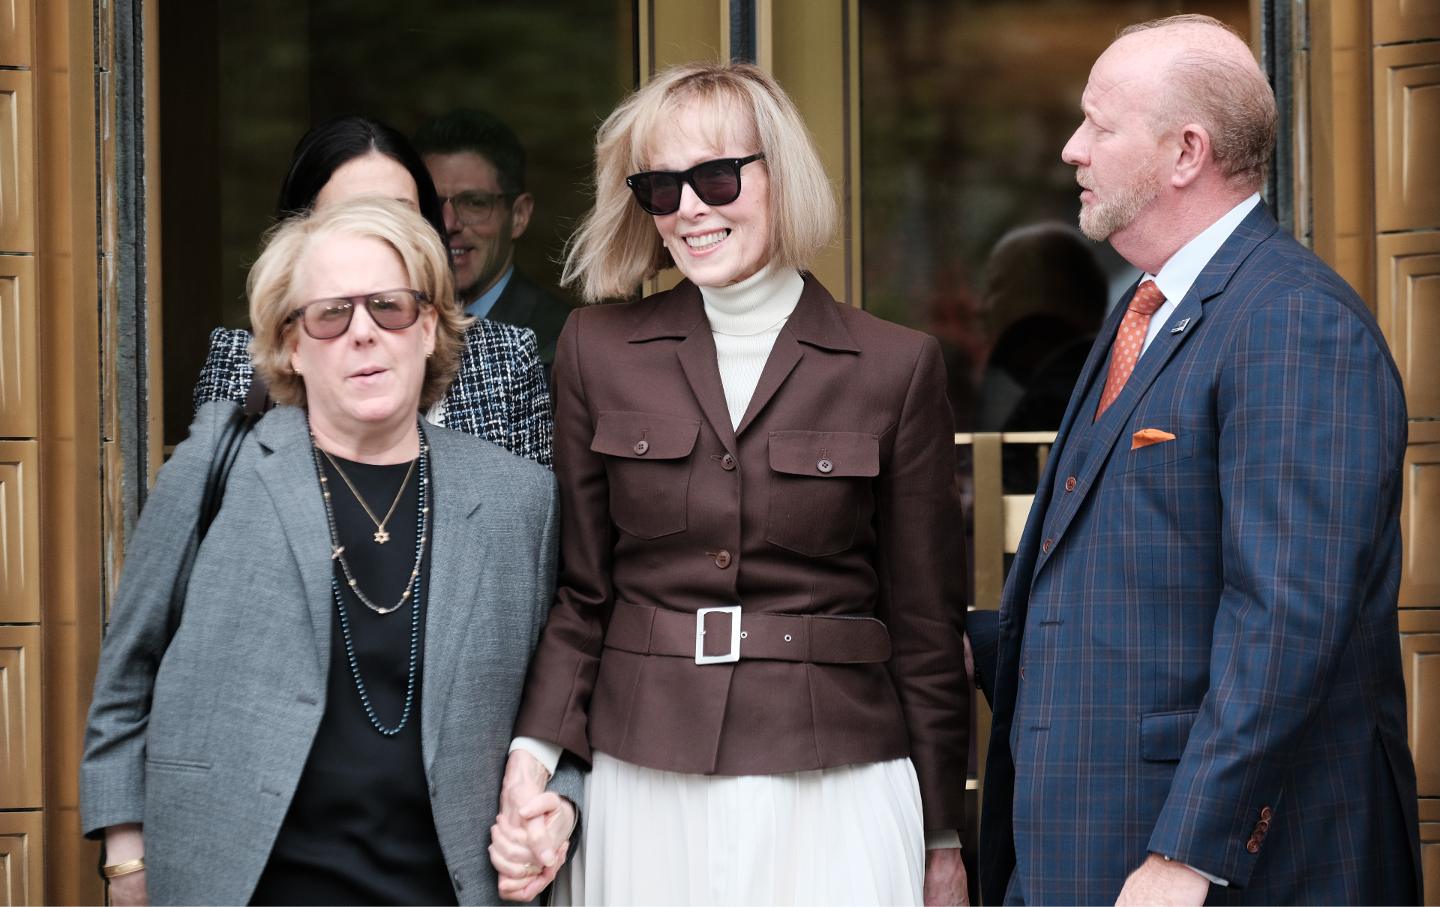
510,307
815,322
1099,355
679,314
697,360
1211,283
288,474
1117,417
784,356
458,560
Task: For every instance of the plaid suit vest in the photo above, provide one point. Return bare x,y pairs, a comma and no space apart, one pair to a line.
1073,455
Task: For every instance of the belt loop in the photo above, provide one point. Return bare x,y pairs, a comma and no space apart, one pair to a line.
809,627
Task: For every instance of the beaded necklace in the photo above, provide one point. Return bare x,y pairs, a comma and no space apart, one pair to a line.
412,590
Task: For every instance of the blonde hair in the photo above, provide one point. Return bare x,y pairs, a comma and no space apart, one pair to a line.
1231,98
273,278
617,246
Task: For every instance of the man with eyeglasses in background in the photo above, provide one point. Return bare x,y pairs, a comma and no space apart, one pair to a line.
478,166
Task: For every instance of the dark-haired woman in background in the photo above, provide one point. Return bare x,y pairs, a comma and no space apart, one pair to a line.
500,392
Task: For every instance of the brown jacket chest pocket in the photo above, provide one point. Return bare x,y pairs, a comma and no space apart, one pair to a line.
647,462
820,489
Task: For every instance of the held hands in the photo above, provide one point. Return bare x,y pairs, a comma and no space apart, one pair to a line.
946,883
1161,881
531,837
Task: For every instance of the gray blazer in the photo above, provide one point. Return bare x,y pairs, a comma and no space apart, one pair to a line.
202,737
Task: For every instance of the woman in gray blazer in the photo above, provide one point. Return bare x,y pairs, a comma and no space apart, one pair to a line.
319,712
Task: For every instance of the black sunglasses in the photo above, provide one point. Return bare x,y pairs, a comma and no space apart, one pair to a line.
715,182
393,310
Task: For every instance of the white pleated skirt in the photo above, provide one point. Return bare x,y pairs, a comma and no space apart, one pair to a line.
847,835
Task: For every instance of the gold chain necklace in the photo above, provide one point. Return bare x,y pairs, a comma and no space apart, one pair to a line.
381,536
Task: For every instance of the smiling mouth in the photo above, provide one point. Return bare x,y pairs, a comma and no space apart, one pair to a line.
459,252
702,242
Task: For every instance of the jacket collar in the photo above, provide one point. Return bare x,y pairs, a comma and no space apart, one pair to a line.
676,313
287,469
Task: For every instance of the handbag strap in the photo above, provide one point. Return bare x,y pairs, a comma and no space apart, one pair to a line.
227,451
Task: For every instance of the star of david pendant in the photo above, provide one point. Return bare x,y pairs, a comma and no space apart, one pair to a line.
381,536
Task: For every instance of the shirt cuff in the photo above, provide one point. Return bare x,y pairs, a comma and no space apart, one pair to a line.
545,752
1213,880
942,839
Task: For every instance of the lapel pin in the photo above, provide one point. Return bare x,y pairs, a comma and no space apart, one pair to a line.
1180,327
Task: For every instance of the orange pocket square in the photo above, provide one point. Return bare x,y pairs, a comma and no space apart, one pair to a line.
1147,436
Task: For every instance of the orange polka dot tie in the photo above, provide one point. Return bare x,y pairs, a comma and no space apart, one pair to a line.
1129,342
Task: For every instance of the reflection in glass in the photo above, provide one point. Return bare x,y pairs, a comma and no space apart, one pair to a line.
242,82
965,105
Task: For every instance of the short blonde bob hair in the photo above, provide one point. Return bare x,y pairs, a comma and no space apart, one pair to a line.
275,276
617,246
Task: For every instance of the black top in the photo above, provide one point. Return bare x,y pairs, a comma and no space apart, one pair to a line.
359,829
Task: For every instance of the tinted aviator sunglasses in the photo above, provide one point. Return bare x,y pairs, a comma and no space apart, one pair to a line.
715,182
393,310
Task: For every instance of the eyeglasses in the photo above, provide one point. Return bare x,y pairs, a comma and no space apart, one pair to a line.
715,182
393,310
476,207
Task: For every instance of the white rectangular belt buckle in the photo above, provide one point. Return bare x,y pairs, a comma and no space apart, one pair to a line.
734,654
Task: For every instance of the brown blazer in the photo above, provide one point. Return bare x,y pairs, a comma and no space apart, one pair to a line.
835,499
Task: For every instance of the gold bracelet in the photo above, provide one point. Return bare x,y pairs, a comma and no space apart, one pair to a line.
123,869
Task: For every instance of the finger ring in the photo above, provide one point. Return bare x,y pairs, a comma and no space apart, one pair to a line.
530,869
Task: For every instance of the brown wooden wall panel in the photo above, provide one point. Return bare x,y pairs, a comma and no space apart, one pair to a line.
1408,309
19,532
1337,175
19,348
1421,653
1430,859
20,781
1430,848
1407,132
17,33
1419,528
1405,20
17,161
21,879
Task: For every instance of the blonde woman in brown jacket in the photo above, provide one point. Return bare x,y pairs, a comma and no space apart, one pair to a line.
757,635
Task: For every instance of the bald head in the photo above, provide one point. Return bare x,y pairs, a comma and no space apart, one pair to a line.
1204,73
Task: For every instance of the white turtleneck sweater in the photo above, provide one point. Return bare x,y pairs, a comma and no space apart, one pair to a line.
745,318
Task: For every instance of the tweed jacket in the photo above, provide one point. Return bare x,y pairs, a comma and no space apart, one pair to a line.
1198,652
203,736
834,498
499,394
525,303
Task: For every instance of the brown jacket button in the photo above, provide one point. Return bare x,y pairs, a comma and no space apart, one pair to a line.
825,465
1265,812
641,447
1045,546
1253,845
1070,484
722,559
727,462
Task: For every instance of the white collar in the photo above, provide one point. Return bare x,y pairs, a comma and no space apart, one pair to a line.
1180,272
755,305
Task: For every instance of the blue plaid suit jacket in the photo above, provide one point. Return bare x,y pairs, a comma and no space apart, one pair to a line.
499,393
1199,651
